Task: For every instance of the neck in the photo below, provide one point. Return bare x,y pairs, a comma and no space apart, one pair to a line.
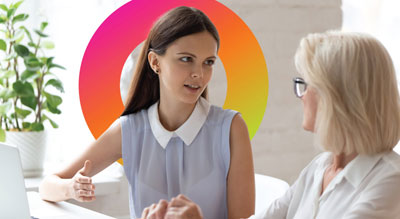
341,160
173,115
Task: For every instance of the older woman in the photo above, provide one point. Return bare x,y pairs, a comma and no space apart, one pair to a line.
351,102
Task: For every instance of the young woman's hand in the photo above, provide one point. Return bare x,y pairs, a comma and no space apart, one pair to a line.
81,187
179,208
155,211
183,208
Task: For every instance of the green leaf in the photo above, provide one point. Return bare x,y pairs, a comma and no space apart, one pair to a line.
6,74
10,12
2,135
29,102
32,63
23,89
52,100
47,44
44,117
16,5
40,33
21,50
29,75
19,33
11,56
22,113
26,125
43,25
32,45
20,17
2,20
4,108
4,7
52,65
55,83
48,60
27,33
6,94
3,45
19,39
37,126
51,108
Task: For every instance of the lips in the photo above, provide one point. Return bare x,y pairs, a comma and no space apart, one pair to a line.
192,87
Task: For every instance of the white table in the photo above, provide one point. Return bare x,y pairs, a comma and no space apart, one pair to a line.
60,210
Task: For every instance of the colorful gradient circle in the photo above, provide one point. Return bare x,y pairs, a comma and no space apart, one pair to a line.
128,26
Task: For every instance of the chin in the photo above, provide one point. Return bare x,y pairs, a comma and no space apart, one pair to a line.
308,127
190,100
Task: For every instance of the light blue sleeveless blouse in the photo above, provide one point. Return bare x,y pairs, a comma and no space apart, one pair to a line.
162,171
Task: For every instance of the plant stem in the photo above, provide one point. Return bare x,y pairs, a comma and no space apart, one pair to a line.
37,46
38,116
39,82
5,122
11,31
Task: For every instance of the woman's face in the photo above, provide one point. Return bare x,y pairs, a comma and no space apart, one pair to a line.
186,67
310,105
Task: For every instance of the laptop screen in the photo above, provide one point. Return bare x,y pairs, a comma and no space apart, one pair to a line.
13,199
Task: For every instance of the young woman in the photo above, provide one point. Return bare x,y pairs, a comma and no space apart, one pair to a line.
171,139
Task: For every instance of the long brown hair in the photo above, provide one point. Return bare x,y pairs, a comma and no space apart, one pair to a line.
179,22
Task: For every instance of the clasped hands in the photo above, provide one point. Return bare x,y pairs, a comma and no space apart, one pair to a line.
179,207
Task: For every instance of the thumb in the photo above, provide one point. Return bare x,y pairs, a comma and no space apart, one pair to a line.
86,168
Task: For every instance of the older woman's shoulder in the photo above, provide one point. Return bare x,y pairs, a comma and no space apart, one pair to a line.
318,163
393,160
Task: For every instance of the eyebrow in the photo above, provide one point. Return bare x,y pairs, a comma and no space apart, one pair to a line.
188,53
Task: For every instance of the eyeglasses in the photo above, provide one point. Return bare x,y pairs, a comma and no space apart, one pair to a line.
300,86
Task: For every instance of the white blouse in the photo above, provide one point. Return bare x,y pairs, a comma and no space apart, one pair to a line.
368,187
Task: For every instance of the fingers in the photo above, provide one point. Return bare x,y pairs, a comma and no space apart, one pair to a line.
178,202
161,209
83,190
84,195
84,186
82,179
85,199
182,207
145,213
87,168
181,196
155,211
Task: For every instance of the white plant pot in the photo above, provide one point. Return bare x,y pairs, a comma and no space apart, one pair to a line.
32,148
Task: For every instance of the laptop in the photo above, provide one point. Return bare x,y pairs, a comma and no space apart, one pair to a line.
13,198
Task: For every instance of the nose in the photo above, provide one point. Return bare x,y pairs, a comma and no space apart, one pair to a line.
197,72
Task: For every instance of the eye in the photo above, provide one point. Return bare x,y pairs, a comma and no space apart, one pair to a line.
186,59
209,62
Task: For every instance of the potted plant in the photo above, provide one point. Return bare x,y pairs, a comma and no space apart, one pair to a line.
27,86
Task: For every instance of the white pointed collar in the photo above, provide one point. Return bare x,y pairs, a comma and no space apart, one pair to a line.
187,131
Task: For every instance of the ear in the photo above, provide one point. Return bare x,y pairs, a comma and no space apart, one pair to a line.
153,59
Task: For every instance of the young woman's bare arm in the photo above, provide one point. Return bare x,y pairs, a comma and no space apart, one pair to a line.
240,182
74,181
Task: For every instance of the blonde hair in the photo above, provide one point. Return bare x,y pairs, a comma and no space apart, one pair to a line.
358,99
